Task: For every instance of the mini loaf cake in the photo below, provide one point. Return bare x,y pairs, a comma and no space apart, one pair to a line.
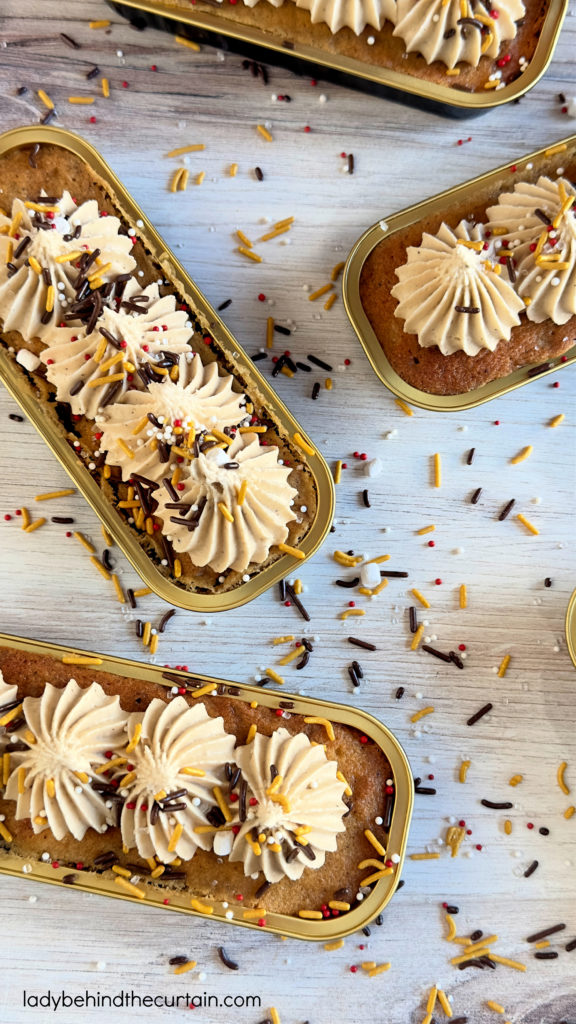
197,466
471,293
190,792
468,45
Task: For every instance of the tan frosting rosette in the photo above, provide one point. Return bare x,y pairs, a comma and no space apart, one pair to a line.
176,757
536,223
68,732
299,808
122,342
354,14
452,292
43,246
234,505
8,705
140,432
456,30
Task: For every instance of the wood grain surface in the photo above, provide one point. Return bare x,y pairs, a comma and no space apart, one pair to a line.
57,939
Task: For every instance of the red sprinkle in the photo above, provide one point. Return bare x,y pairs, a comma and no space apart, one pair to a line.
124,85
438,582
431,543
556,384
462,823
496,423
261,297
347,362
351,604
55,863
363,739
461,647
353,969
513,168
307,128
7,517
530,825
92,119
478,846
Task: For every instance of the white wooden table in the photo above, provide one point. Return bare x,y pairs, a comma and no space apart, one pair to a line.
57,939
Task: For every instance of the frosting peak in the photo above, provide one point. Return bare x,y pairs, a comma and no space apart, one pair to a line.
175,764
42,247
245,481
68,732
452,293
354,14
439,30
536,224
299,806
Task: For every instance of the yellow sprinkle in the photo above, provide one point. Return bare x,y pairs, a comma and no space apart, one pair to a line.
154,643
233,170
282,639
35,526
426,529
34,264
251,255
556,420
5,768
270,332
377,875
444,1003
507,963
274,1015
98,24
80,659
555,149
114,762
105,88
495,1006
184,968
339,905
123,872
196,148
477,246
99,382
196,773
367,965
515,780
289,550
420,597
337,270
319,292
250,915
6,835
371,862
31,740
337,473
225,511
40,820
251,734
424,856
222,803
101,568
47,103
421,714
561,780
504,666
494,83
199,178
437,471
330,301
337,944
122,444
55,494
451,928
147,633
541,945
174,838
291,655
303,444
524,454
16,221
264,132
348,560
463,594
135,739
315,720
86,543
452,72
312,915
21,779
469,955
128,779
351,611
107,472
463,771
328,383
187,42
142,592
508,827
417,637
569,813
203,690
431,1002
133,890
175,182
404,406
81,99
342,778
374,842
244,239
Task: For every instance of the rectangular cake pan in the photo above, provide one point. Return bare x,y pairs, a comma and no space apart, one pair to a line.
13,377
215,29
279,924
363,328
571,628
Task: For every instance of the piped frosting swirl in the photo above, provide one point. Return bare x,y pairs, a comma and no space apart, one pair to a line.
8,698
353,14
122,341
38,278
199,400
439,30
68,732
176,761
235,504
451,294
536,224
302,804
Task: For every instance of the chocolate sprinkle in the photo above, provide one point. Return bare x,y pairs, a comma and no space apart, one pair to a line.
506,510
546,955
362,643
63,520
394,575
537,936
479,714
231,964
467,309
456,659
353,675
400,693
543,217
470,457
451,909
15,417
476,935
350,163
224,305
165,620
315,391
348,583
539,369
547,582
413,619
476,496
503,805
258,356
304,366
530,870
320,363
297,602
70,42
365,498
425,790
570,946
283,330
435,653
178,961
93,73
259,173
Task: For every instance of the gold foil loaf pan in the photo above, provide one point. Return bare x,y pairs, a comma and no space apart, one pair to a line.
66,439
451,206
363,62
324,905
